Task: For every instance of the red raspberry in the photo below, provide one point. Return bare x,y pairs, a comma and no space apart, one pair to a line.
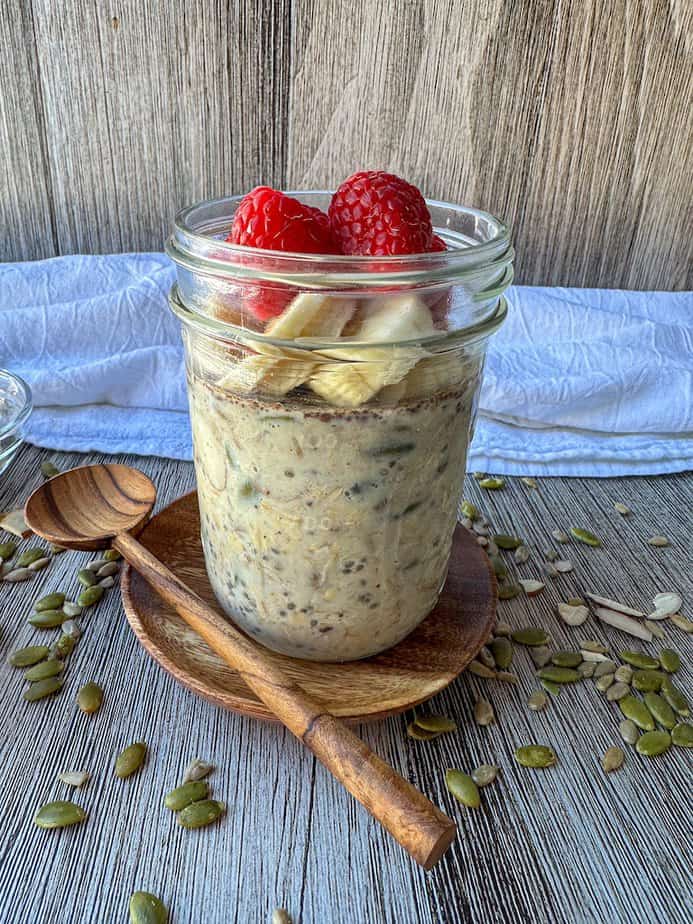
438,244
268,219
378,214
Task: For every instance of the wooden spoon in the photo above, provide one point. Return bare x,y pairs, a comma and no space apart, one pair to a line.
101,505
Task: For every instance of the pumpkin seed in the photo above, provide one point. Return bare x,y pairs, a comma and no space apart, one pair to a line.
629,731
467,509
7,550
535,755
660,709
503,629
507,542
617,691
28,557
130,759
44,669
605,667
483,712
553,688
559,674
636,710
52,601
537,700
71,609
42,688
666,603
575,601
48,470
640,660
670,660
532,587
435,723
146,908
622,509
624,674
71,629
90,595
17,575
420,734
614,605
648,681
675,697
566,658
112,555
584,535
90,697
57,549
572,615
486,657
682,735
506,677
477,476
186,794
108,570
64,647
485,774
560,536
96,564
200,814
39,564
563,566
499,568
502,651
480,670
280,916
27,657
653,743
587,668
521,554
593,656
491,548
686,625
59,814
529,482
48,619
197,770
492,484
655,628
604,682
540,655
550,555
613,759
482,541
107,582
658,541
86,577
531,636
463,788
594,646
74,777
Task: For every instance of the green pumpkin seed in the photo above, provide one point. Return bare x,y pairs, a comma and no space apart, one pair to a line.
535,755
553,688
629,731
559,674
498,566
90,697
28,557
200,814
86,577
507,542
613,759
483,712
52,601
48,470
653,743
584,535
537,700
468,510
636,710
669,660
531,636
480,670
660,709
90,595
435,723
648,681
186,794
509,591
420,734
540,655
638,659
486,657
45,669
507,677
112,555
27,657
675,698
595,647
492,484
59,815
566,658
48,619
604,682
7,550
659,542
43,688
64,647
617,691
503,629
463,788
130,759
605,667
587,668
280,916
485,774
502,652
146,908
682,735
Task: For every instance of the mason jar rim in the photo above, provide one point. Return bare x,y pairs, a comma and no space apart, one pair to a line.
194,246
234,334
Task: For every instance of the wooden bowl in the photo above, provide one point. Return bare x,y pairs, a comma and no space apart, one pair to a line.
389,683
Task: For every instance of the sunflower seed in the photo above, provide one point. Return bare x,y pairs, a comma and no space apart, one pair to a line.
613,759
39,564
572,615
480,670
587,668
593,656
483,712
130,759
532,587
559,674
660,709
648,681
463,788
670,660
71,629
59,815
107,582
86,577
27,657
624,674
502,652
655,629
560,536
529,482
640,660
682,735
590,644
492,484
90,595
686,625
636,710
615,605
530,636
197,770
604,682
629,731
653,743
186,794
658,541
624,623
42,688
675,697
506,677
667,603
16,575
521,554
44,669
605,667
541,655
622,509
435,723
485,774
563,566
280,916
90,697
566,658
617,691
507,542
584,535
74,777
535,755
503,629
146,908
486,657
537,701
71,609
200,814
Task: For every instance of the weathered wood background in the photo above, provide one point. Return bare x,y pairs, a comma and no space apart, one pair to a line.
570,118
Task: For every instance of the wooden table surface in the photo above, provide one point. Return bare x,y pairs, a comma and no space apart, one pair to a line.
568,844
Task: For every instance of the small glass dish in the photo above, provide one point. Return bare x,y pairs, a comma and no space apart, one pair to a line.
15,407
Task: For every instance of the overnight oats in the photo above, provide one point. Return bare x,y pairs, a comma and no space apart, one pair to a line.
332,400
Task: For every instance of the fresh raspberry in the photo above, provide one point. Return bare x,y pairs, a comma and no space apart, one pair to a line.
438,244
378,214
268,219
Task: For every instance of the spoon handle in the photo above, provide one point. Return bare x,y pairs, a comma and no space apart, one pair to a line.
421,828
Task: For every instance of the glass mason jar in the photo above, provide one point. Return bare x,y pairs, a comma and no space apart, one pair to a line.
332,401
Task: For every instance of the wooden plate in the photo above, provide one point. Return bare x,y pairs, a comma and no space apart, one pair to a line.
411,672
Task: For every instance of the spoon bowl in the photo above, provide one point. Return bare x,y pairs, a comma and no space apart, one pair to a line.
87,507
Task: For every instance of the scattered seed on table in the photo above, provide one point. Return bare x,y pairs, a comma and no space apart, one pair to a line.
507,677
559,674
675,697
52,601
7,550
594,656
485,774
42,688
86,577
492,484
529,482
90,595
682,735
502,651
531,636
468,510
629,731
27,657
71,609
107,582
486,657
64,647
49,470
75,778
622,509
604,682
553,688
463,788
681,622
572,615
653,743
439,724
44,669
48,619
146,908
537,700
71,629
587,668
186,794
200,814
584,535
110,568
28,557
503,629
648,681
521,554
480,670
483,712
130,759
670,660
112,555
617,691
658,541
636,710
507,542
594,646
90,697
39,564
624,674
535,756
59,814
655,628
605,667
280,916
96,564
661,710
197,770
17,575
613,759
531,587
57,549
420,734
563,566
540,655
499,567
560,536
566,658
640,660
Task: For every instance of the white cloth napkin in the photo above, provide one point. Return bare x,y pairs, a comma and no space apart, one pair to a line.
577,381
